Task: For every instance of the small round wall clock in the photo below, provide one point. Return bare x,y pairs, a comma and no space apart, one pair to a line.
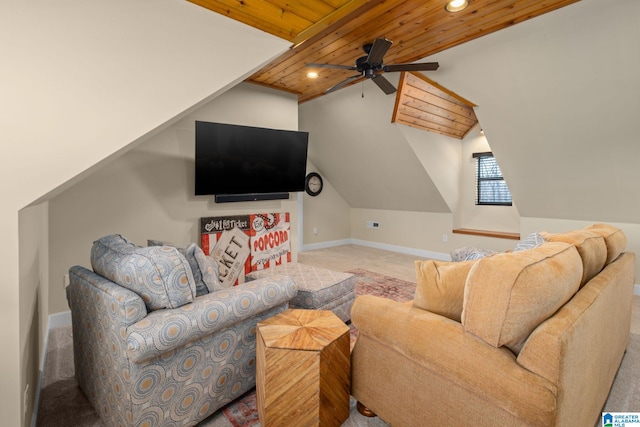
313,184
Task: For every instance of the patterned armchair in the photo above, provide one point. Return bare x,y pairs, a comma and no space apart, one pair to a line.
148,349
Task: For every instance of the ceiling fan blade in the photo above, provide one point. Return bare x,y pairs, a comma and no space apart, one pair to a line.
342,67
378,50
420,66
343,83
383,84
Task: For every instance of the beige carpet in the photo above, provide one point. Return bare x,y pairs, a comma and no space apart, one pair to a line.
61,401
625,393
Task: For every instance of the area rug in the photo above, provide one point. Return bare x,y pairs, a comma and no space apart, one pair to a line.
243,411
370,283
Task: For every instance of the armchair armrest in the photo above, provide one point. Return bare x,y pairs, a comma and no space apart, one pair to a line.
165,330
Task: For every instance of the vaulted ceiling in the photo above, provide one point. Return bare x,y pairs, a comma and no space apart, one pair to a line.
335,31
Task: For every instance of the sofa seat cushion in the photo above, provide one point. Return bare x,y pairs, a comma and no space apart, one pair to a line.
614,239
440,287
508,295
591,247
159,274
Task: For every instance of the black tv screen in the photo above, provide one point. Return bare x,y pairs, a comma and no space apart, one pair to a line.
234,159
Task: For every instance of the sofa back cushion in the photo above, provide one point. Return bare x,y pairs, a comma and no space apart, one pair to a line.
614,239
591,247
203,267
440,286
508,295
159,274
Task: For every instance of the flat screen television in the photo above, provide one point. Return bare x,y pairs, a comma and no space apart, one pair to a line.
238,163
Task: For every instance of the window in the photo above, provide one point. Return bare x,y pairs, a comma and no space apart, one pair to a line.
491,188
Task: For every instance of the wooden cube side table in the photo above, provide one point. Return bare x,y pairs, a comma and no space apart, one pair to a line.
303,369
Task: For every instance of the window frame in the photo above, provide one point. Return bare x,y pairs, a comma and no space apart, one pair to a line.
479,180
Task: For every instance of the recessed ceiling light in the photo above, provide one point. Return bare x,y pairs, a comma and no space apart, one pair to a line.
456,5
312,75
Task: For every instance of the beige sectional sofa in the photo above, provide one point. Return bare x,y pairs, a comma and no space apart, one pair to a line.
533,337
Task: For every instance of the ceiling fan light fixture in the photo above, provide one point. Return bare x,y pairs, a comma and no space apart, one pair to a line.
372,67
456,5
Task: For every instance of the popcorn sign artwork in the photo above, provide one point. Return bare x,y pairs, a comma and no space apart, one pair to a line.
270,242
244,243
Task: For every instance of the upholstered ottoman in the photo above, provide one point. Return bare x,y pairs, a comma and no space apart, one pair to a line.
318,288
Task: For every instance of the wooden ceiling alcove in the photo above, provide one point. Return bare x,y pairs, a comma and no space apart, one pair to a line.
424,104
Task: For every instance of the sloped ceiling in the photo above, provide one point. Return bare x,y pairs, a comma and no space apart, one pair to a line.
289,20
84,80
366,157
557,99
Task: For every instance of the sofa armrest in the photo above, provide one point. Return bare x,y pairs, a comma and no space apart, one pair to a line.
90,296
166,330
441,352
423,336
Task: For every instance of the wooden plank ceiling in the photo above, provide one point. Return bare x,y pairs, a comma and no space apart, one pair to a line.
424,104
335,31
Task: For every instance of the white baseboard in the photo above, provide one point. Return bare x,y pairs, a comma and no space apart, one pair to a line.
59,319
401,249
404,250
324,245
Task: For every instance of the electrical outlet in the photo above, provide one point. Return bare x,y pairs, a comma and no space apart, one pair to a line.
315,231
65,281
445,238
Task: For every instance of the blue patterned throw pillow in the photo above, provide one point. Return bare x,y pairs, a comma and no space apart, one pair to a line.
203,267
159,274
533,240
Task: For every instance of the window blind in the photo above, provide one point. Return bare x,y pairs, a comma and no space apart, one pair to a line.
491,188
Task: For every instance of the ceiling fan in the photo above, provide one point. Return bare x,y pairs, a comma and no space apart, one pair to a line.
371,66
